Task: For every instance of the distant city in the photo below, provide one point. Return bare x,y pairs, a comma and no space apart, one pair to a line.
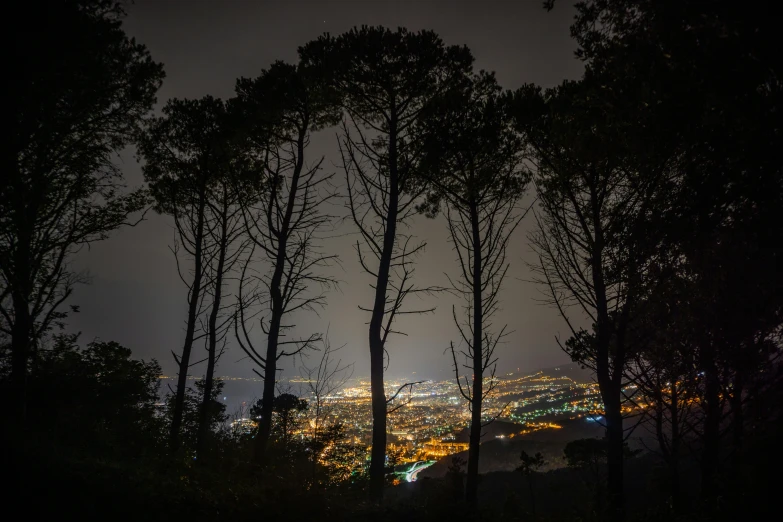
431,423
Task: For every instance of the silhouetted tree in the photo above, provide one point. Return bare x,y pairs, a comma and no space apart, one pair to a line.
188,163
80,88
711,73
600,190
456,477
288,415
285,221
530,465
386,78
588,456
226,231
323,381
338,455
95,398
665,371
289,409
192,407
476,159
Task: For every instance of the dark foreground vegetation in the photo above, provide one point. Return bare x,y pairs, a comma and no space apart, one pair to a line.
658,217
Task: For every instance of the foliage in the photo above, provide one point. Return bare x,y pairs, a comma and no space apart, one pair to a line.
586,453
284,100
80,88
191,413
95,398
456,477
708,81
186,152
531,463
338,457
602,186
290,411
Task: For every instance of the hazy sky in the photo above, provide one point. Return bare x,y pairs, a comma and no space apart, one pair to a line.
137,299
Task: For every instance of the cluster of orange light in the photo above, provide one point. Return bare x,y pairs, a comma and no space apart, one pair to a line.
534,426
437,448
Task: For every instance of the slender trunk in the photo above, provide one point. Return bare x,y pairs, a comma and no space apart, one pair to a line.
315,445
284,422
737,437
278,305
378,452
674,448
598,480
615,457
270,372
471,484
193,301
608,379
738,423
20,353
205,418
532,494
21,329
711,436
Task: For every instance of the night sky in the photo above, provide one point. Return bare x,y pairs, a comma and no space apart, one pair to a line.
135,296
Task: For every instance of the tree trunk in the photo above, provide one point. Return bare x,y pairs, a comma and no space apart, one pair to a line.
193,301
674,449
204,414
316,438
615,457
711,436
738,424
674,484
532,494
20,353
378,452
205,418
21,330
278,305
609,380
270,371
284,422
471,484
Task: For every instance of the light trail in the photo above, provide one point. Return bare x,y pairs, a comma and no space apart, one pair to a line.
410,476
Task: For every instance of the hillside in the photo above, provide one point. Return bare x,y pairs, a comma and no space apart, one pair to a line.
571,370
502,454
